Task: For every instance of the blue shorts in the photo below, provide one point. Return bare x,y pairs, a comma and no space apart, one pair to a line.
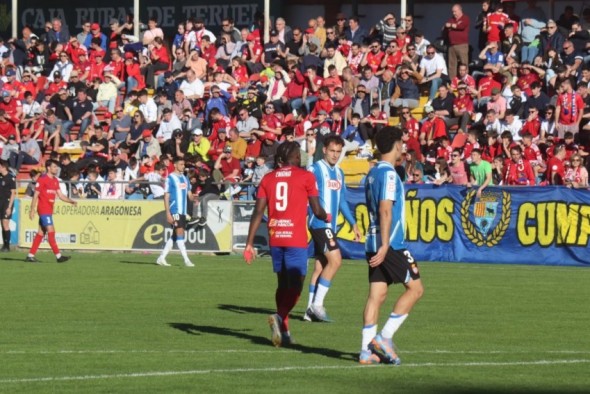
45,220
292,260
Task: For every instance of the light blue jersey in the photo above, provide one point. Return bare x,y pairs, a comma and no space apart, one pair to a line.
177,186
332,195
383,183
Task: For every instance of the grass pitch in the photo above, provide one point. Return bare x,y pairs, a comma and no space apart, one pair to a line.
108,322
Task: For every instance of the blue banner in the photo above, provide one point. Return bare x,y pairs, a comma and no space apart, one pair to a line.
510,225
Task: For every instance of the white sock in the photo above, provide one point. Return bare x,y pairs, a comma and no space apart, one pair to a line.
311,294
57,256
369,333
167,248
322,290
393,323
180,244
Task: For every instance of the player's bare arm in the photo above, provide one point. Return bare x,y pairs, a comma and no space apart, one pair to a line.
169,217
316,208
65,198
385,212
33,208
255,221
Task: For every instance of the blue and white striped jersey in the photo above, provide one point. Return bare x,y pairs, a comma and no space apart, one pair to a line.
177,186
383,183
332,195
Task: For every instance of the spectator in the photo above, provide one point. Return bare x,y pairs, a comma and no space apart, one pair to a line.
58,33
576,175
92,188
29,152
355,33
532,21
569,110
480,172
192,87
372,123
434,70
556,167
457,31
518,171
238,144
148,146
168,125
112,189
148,107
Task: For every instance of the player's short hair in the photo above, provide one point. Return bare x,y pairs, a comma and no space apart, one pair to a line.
287,153
177,159
476,150
387,137
49,162
333,139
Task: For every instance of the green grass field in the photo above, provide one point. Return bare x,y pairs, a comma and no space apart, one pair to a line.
115,323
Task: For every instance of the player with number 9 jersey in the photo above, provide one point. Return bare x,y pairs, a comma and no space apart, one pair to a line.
287,190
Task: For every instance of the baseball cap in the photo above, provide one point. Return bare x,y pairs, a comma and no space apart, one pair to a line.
197,132
264,78
11,137
57,74
221,131
495,91
10,72
428,109
274,33
146,133
115,151
322,112
310,30
108,115
5,93
25,132
250,37
95,26
227,149
270,136
128,55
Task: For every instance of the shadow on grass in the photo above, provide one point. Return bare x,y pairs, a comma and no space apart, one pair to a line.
245,309
138,262
194,329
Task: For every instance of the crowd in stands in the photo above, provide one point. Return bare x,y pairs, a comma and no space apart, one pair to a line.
514,111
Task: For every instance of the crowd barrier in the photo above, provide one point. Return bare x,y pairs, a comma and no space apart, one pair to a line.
511,225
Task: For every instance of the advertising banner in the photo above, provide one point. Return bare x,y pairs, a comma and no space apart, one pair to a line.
242,212
529,225
36,13
127,225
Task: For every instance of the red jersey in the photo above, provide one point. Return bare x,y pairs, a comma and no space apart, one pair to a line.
96,71
47,187
11,108
532,126
532,154
322,105
555,166
117,68
332,83
497,21
374,60
486,84
272,121
54,87
344,49
318,82
571,105
464,103
287,191
519,173
240,74
161,54
524,82
393,60
437,124
413,127
467,80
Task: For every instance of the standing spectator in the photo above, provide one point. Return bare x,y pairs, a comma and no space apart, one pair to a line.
480,172
387,28
518,170
159,59
58,33
457,30
569,110
354,32
459,170
532,21
556,166
112,189
96,33
495,22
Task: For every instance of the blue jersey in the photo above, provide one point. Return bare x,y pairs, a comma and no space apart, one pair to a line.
177,186
332,195
383,183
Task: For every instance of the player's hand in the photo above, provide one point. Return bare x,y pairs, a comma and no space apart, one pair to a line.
249,254
31,214
74,202
328,218
379,257
357,233
169,218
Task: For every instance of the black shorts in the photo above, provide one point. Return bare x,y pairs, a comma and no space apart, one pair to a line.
398,267
324,240
3,206
179,221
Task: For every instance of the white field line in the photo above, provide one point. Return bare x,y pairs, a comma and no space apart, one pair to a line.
231,351
281,369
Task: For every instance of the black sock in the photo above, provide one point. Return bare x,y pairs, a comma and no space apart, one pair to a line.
6,237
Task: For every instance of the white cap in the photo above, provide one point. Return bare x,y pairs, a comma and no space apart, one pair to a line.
306,125
197,132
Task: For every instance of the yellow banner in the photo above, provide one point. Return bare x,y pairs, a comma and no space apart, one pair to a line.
126,225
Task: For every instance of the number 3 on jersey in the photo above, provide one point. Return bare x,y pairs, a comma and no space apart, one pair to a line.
281,196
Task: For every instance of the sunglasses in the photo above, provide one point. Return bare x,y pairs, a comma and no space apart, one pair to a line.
405,112
411,49
341,19
329,32
310,135
417,175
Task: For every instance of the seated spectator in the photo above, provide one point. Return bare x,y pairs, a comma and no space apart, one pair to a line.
29,152
407,93
433,127
576,176
112,189
108,91
92,188
433,70
148,146
168,125
372,123
206,191
512,124
238,144
228,172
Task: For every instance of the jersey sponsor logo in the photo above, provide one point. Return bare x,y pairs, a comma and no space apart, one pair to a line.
282,174
182,186
280,223
333,184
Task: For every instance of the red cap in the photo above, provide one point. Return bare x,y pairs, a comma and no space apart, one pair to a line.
270,136
310,30
25,132
108,115
146,133
128,55
250,37
95,26
264,78
254,78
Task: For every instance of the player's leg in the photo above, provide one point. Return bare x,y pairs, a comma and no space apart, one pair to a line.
180,241
50,230
36,243
167,248
331,260
334,261
5,231
403,269
317,270
376,298
275,320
